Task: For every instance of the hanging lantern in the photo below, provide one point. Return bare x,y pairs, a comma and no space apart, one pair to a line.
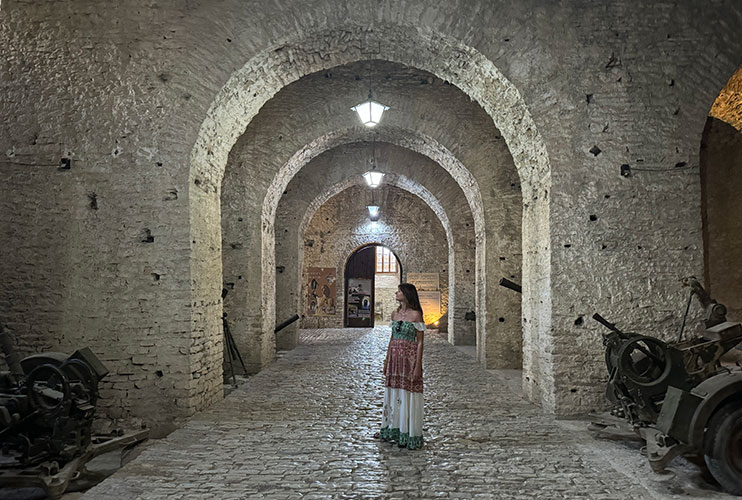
373,212
373,178
370,112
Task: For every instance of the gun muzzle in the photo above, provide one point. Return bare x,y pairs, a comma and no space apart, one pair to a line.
286,323
509,284
600,319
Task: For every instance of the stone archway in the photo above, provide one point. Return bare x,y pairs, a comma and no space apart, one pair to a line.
463,66
407,225
407,185
413,141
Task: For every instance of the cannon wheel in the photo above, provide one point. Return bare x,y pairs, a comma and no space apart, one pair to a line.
723,446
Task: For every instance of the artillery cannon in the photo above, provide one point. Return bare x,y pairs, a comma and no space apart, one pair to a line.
677,395
47,404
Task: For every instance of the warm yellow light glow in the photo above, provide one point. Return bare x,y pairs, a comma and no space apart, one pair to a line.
432,319
728,106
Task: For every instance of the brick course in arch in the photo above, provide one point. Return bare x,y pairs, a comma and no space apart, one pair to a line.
299,198
500,99
414,189
256,82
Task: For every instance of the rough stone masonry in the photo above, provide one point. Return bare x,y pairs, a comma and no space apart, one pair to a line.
155,105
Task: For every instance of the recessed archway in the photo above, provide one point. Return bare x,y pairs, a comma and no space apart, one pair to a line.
409,186
440,155
405,169
359,309
406,225
721,162
465,68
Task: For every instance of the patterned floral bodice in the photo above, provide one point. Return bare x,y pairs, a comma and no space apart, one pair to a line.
406,330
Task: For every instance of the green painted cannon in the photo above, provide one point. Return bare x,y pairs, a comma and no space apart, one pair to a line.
677,395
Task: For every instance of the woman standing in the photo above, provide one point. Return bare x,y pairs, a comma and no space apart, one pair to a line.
402,416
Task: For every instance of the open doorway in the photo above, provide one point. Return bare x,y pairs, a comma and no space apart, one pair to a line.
387,278
372,274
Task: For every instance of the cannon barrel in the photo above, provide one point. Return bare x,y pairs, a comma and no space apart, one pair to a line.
286,323
509,284
600,319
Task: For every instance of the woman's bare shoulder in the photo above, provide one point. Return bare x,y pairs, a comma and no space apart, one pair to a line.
417,317
394,315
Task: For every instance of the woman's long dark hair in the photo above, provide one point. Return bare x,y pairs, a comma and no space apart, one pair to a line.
410,294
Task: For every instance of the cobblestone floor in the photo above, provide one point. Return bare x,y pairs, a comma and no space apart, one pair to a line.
302,428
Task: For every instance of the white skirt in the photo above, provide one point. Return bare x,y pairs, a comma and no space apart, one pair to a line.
402,418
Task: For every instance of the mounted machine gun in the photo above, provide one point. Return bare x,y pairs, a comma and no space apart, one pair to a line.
677,396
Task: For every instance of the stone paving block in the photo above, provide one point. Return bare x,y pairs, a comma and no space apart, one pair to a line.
292,431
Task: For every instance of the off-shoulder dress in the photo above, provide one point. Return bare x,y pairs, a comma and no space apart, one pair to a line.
402,415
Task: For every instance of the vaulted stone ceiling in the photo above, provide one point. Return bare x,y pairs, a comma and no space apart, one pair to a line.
442,131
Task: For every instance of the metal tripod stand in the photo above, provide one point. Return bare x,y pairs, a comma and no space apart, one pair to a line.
234,353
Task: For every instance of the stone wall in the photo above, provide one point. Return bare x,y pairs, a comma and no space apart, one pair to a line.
122,251
407,226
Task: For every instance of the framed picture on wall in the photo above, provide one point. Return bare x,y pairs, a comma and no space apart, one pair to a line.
321,291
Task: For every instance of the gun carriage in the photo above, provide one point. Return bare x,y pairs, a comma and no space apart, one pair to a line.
47,405
677,395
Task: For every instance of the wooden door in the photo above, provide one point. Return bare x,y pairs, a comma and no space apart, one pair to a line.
360,271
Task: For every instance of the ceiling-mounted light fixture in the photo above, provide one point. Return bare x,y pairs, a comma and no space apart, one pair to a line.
373,212
370,111
373,209
373,177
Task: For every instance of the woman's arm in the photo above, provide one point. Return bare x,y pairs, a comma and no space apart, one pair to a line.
386,359
417,371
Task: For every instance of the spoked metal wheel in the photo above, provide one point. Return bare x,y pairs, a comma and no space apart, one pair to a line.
723,446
